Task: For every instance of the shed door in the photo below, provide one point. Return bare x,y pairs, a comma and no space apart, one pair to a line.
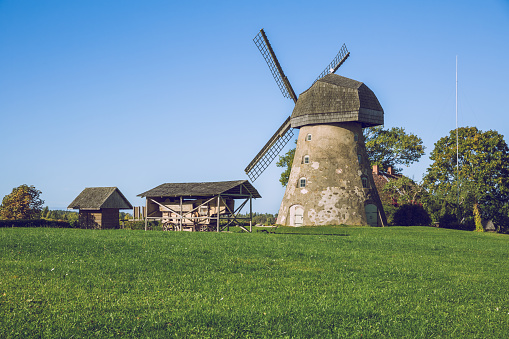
372,214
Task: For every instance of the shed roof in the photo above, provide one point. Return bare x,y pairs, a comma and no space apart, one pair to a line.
95,198
236,188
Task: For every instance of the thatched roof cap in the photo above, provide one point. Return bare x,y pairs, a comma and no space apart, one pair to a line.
334,98
237,188
95,198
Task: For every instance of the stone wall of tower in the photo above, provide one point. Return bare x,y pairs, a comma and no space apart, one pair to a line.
331,181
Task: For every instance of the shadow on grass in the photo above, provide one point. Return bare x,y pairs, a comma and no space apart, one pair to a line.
339,235
296,233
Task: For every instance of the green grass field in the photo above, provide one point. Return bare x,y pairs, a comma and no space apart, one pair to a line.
330,282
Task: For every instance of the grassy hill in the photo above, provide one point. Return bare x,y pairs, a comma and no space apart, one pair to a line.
326,282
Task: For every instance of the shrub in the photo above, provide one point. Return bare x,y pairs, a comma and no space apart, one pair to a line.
38,223
450,221
140,225
389,213
411,215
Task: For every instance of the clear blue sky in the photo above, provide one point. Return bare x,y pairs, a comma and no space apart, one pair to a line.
138,93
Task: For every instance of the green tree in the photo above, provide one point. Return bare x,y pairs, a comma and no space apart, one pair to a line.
392,147
404,191
124,216
385,148
483,182
45,211
286,162
23,203
52,215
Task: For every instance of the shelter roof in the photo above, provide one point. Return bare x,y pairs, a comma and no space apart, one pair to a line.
100,197
240,188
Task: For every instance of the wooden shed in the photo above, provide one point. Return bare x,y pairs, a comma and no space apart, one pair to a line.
99,207
199,206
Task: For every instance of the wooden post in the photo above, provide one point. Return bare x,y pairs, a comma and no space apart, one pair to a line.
181,213
250,213
146,213
218,210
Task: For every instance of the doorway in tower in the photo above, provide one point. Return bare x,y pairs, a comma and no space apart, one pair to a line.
371,214
296,215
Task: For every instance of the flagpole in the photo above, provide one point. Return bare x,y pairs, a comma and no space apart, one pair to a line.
457,143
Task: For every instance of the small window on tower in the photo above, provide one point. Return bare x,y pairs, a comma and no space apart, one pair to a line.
365,182
356,137
302,182
359,158
306,159
308,137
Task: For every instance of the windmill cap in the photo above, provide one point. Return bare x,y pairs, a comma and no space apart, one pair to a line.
336,99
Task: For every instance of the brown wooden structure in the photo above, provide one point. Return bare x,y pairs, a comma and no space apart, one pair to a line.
99,207
199,206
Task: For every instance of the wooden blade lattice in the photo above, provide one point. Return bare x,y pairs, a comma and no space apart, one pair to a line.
270,151
341,57
262,42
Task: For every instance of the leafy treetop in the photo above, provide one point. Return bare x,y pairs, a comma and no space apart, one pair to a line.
23,203
392,147
483,181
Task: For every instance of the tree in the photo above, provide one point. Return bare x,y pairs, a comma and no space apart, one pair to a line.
385,148
483,182
391,147
45,211
286,162
404,191
23,203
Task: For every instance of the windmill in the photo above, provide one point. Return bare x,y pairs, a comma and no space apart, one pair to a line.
330,182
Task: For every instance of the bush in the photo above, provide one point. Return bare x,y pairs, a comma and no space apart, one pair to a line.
389,213
502,220
450,221
140,225
38,223
411,215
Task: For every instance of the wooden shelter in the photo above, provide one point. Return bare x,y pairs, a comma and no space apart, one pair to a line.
199,206
99,207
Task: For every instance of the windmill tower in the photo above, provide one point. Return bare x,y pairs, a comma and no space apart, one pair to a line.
331,181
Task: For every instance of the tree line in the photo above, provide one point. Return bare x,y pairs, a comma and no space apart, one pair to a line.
459,188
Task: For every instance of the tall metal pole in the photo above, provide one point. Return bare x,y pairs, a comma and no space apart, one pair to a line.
457,145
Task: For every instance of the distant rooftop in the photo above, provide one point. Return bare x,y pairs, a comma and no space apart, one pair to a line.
95,198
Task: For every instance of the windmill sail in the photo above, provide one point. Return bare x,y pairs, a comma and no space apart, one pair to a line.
279,140
271,149
263,44
341,57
